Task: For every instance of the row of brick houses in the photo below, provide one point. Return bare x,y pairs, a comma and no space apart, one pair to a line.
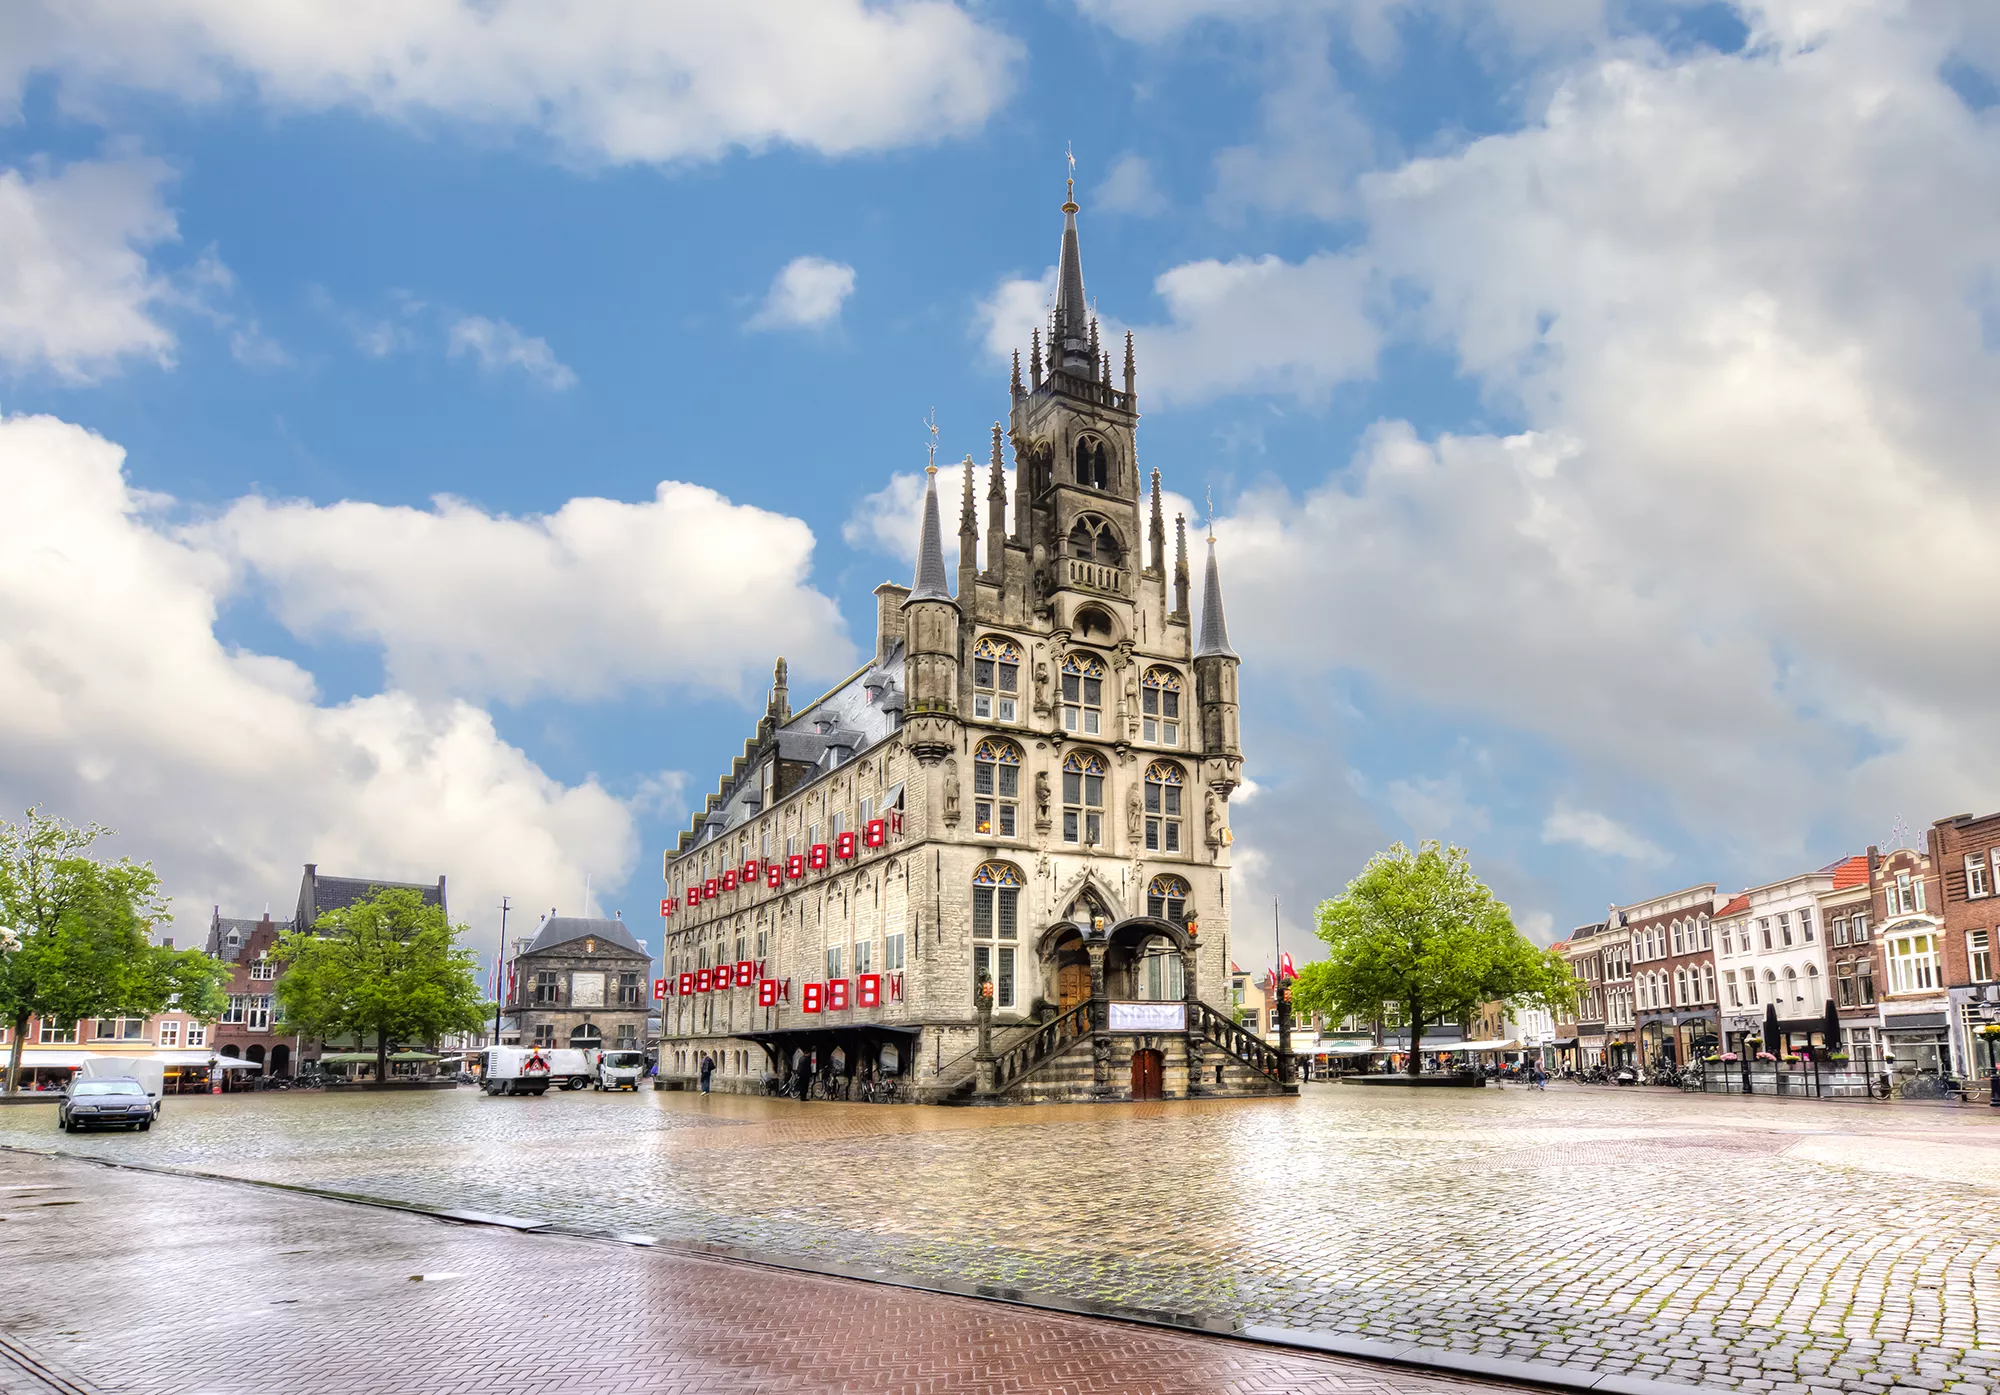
246,1032
1897,948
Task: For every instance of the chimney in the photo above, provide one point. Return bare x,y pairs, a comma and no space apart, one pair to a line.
889,598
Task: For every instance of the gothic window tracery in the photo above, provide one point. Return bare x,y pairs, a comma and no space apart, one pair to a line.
1166,898
1164,782
1092,470
996,786
1083,694
1161,703
1083,798
996,927
1093,540
996,678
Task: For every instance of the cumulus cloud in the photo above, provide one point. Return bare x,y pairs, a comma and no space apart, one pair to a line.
222,765
1257,324
686,590
1599,833
76,291
807,293
1759,398
600,80
500,348
1130,188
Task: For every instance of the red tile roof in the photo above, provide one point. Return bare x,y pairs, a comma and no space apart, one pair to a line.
1852,872
1736,903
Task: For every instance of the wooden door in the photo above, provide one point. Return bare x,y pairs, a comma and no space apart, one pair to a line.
1146,1069
1072,985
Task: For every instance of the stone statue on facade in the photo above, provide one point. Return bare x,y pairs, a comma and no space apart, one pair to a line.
1041,687
951,792
1041,799
1135,812
1214,820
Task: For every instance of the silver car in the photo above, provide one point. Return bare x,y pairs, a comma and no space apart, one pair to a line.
120,1100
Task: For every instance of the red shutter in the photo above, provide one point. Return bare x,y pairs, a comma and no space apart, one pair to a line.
773,875
767,992
836,994
687,984
710,888
816,857
795,867
810,997
704,981
659,989
868,991
876,833
844,846
746,973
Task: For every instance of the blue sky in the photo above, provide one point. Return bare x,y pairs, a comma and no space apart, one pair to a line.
1591,420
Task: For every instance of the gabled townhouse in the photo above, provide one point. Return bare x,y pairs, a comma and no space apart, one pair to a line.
1917,959
1845,909
1673,974
1770,952
1966,851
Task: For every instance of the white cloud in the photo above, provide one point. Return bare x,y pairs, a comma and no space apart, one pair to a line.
1598,832
610,80
500,347
221,765
807,293
1761,401
1435,808
1130,188
1250,324
76,293
685,589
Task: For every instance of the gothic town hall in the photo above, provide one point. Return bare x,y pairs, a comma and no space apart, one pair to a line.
993,864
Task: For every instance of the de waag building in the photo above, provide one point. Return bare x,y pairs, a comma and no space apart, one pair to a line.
993,864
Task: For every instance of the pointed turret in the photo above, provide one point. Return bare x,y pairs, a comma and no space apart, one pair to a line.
996,513
930,667
930,584
1073,354
781,700
1214,630
1180,568
968,540
1157,534
1215,689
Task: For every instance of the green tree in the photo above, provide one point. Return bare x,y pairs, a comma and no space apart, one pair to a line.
79,942
389,967
1418,937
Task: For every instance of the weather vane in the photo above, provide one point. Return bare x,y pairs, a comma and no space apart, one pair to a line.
931,426
1069,153
1210,492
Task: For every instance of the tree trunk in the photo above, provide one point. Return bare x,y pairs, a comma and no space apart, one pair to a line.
381,1057
1416,1066
14,1054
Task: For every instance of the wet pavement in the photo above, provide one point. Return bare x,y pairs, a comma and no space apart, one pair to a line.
217,1289
1755,1244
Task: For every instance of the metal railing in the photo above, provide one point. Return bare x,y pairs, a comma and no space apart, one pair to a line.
1862,1076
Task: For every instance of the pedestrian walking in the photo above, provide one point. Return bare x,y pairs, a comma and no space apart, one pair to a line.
707,1069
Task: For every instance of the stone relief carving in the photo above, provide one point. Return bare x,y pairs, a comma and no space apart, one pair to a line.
1135,811
951,792
1042,800
1041,687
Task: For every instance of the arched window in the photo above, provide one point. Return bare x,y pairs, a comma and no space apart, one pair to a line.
1163,807
1792,984
996,678
1812,985
1161,701
1091,540
1677,942
996,786
1082,694
1166,899
1707,977
1681,998
996,922
585,1037
1092,470
1083,798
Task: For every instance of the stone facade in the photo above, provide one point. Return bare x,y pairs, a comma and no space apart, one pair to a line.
580,982
1027,787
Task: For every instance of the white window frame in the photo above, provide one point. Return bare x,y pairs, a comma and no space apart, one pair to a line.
170,1035
1913,967
1979,955
1975,877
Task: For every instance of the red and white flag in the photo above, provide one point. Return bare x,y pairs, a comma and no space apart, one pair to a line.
1285,966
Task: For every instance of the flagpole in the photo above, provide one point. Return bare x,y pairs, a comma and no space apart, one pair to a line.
497,960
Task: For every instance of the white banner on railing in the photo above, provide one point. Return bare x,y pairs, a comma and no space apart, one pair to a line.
1149,1017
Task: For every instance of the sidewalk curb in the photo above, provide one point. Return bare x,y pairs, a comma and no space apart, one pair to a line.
1412,1355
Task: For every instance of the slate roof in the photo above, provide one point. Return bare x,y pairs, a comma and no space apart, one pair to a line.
565,929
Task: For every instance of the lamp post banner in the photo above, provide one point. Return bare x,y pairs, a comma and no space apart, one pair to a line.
1149,1017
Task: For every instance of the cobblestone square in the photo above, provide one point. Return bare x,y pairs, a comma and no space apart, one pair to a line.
1750,1244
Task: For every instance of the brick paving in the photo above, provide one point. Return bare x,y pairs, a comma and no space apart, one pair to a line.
1756,1244
146,1283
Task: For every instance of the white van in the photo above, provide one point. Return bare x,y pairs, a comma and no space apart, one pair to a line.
150,1074
619,1070
531,1070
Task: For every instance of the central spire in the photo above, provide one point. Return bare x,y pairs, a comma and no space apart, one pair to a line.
1071,350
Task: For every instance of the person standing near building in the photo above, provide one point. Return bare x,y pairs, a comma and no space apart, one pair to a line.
707,1069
